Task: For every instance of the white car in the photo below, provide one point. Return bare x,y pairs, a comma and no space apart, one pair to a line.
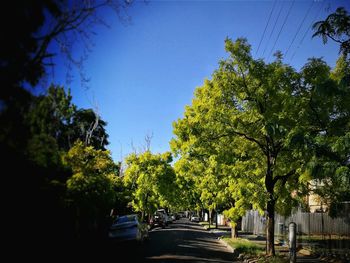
195,219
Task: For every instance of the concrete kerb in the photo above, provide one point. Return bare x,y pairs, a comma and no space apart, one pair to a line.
213,230
231,249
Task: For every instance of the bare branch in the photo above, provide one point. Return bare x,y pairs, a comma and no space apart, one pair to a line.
148,140
74,24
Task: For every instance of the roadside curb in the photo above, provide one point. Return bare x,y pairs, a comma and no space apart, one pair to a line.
232,250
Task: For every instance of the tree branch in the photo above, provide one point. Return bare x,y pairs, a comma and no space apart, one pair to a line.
284,178
261,146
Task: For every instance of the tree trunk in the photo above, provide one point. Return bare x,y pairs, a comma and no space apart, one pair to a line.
216,223
143,211
209,217
77,223
234,230
270,230
270,184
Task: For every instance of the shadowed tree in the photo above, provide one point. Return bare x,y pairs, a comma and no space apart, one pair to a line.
91,188
38,31
89,128
336,27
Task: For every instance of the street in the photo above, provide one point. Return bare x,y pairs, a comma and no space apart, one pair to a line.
181,241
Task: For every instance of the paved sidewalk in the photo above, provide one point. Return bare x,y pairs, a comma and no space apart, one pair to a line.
302,255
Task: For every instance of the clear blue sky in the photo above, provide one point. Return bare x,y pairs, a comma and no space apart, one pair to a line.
142,75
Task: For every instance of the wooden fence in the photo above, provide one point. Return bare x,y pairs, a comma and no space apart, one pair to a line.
307,223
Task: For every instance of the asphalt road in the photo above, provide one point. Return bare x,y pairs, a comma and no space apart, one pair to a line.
181,241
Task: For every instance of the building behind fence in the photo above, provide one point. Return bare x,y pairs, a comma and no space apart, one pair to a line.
307,223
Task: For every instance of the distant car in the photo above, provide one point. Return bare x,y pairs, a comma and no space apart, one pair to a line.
168,220
128,227
195,219
172,217
158,220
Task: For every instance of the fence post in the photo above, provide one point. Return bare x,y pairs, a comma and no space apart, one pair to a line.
281,233
292,242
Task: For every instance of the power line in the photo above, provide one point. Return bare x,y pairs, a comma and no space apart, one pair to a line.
302,22
309,27
279,33
268,21
273,29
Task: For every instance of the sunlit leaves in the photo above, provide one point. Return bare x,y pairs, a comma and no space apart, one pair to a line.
151,180
94,178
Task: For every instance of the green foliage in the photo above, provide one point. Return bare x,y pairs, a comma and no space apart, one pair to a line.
253,130
188,192
36,130
336,27
329,118
91,187
43,151
87,126
247,114
51,114
151,181
55,115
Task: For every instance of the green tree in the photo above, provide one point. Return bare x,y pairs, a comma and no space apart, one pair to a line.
259,108
88,127
91,189
329,103
221,175
189,194
336,27
151,179
329,100
52,114
35,33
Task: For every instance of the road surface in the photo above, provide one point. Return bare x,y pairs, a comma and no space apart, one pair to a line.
182,241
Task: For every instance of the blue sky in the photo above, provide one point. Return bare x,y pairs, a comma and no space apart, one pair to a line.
143,74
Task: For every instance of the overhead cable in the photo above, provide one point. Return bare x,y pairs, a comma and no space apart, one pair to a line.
273,29
279,33
268,21
306,32
297,32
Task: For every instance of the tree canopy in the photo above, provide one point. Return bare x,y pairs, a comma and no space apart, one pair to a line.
91,188
151,179
267,115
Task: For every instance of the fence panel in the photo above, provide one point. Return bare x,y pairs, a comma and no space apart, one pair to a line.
307,223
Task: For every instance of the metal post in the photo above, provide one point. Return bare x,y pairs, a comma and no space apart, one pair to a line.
281,233
292,242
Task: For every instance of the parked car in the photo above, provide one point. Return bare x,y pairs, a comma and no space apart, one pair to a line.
158,220
195,219
177,216
168,220
172,217
128,227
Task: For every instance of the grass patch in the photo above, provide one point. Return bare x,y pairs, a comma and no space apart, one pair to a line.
245,246
254,250
206,225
